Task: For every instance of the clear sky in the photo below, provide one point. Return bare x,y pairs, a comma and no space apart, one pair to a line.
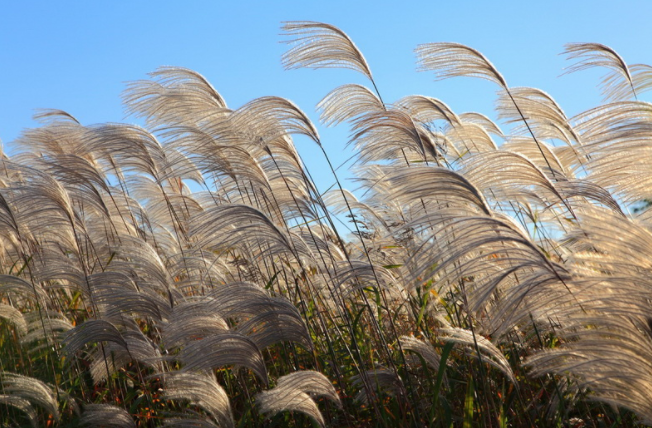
77,56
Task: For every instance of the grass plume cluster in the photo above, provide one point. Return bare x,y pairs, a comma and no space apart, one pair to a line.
493,279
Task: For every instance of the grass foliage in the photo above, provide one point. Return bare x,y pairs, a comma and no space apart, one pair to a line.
493,279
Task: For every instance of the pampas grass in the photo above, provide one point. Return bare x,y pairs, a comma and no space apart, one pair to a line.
189,273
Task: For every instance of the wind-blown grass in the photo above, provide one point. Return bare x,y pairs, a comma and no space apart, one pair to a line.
493,279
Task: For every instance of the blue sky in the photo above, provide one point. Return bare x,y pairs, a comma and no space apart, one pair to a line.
77,56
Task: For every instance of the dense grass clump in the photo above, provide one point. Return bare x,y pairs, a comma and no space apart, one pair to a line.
491,280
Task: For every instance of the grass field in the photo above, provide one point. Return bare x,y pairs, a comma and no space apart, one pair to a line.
494,279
